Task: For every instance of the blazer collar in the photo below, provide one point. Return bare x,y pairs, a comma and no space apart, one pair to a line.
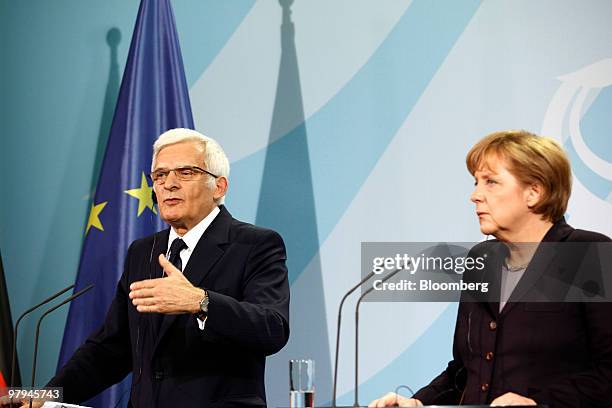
558,232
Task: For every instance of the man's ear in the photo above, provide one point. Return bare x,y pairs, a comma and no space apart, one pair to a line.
535,192
220,187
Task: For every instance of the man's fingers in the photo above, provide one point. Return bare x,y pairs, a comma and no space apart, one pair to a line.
148,308
167,266
144,301
163,261
156,309
145,284
142,293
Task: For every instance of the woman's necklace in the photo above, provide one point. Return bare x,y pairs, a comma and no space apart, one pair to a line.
516,268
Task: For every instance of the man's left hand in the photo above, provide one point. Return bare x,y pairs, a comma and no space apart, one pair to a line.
511,398
173,294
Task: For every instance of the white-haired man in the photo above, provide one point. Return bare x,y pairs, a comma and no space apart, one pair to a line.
199,305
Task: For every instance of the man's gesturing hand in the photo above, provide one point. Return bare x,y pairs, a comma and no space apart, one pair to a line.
173,294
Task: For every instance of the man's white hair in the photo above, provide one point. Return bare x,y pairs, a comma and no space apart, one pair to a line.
215,159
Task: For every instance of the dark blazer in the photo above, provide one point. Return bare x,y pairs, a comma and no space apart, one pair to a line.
173,362
558,354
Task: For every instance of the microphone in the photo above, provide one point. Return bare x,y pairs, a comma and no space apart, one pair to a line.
354,288
366,293
67,300
30,310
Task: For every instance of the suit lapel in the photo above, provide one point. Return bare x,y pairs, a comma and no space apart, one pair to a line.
205,255
495,258
209,248
159,247
155,271
543,260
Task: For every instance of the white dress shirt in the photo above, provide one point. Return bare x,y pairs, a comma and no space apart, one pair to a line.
191,239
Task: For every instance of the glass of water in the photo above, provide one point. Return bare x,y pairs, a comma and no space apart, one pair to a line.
301,383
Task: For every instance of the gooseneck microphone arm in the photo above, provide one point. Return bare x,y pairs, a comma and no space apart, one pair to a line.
51,310
366,293
24,314
354,288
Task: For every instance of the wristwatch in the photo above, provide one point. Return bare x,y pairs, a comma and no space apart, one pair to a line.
203,313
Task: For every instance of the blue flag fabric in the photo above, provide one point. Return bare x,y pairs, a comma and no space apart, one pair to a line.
152,99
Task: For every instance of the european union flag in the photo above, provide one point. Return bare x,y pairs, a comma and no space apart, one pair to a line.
152,99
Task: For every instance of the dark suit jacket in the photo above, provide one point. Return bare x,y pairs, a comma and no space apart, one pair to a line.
558,353
174,363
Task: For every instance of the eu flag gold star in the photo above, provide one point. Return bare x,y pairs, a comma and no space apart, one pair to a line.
144,195
94,217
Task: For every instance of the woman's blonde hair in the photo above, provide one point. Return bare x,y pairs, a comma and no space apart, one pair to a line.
531,159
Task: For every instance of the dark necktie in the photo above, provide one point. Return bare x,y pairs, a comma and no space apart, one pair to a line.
175,253
175,259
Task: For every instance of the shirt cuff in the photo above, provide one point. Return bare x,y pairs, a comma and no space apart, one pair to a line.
201,323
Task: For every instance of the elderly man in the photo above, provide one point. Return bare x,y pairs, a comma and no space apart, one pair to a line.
199,306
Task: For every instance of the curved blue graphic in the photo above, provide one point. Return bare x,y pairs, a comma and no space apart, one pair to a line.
216,21
348,135
595,126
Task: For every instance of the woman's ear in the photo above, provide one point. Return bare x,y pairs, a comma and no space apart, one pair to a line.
535,193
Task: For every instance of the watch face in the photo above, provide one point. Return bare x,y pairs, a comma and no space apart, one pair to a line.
204,304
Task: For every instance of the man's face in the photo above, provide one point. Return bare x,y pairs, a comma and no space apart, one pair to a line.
183,204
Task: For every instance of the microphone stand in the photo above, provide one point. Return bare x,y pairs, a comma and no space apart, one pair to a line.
51,310
354,288
366,293
24,314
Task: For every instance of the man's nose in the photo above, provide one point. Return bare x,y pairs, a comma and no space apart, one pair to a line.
172,182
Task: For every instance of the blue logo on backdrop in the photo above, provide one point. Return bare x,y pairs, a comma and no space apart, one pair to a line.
578,116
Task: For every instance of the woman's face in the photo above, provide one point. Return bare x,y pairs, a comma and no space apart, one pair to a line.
502,201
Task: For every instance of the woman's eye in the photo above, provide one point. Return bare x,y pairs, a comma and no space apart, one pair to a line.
491,181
